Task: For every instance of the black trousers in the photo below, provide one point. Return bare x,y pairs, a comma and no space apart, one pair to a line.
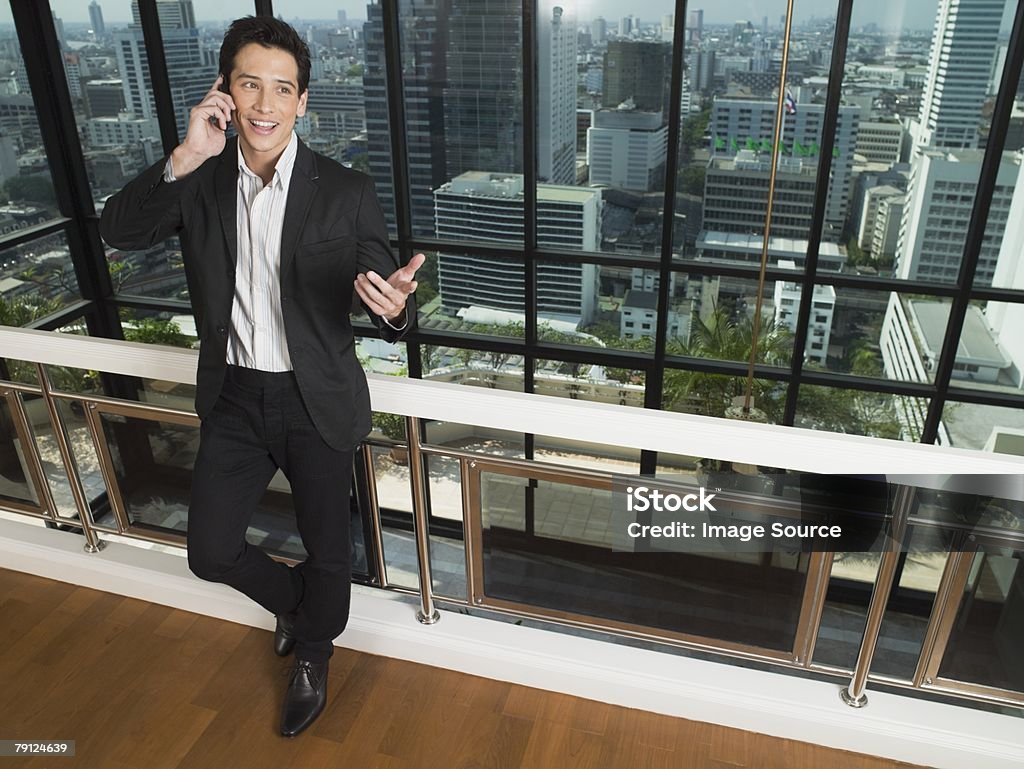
258,425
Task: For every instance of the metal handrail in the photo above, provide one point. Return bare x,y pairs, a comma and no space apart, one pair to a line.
794,448
560,418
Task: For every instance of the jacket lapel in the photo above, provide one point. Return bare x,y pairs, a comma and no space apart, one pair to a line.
225,182
301,190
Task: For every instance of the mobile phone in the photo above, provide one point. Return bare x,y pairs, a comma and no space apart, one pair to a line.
223,88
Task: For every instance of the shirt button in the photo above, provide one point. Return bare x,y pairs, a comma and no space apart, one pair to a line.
222,330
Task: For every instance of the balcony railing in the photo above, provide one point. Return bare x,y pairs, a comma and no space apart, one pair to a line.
535,537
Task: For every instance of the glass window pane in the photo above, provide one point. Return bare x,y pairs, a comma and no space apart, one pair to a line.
475,294
990,355
15,477
698,392
879,415
589,382
986,428
730,99
720,310
501,370
550,545
987,636
38,279
462,85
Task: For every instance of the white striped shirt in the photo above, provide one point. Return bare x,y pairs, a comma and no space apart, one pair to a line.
257,336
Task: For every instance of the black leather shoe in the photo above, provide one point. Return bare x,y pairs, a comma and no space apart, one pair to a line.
305,698
284,641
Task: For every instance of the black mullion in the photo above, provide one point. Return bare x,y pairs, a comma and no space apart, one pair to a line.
158,78
655,380
64,316
828,136
869,384
392,36
976,227
985,397
530,160
264,8
20,237
1010,295
52,100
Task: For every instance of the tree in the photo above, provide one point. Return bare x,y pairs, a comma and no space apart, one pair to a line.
691,180
153,331
692,130
32,188
720,337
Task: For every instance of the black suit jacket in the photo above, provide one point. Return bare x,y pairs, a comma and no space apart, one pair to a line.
333,228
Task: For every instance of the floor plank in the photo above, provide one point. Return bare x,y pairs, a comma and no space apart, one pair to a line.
143,686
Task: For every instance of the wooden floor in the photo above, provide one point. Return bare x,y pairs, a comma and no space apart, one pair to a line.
142,686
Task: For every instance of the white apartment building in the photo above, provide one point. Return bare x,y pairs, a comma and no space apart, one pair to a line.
938,210
819,324
879,141
627,149
483,207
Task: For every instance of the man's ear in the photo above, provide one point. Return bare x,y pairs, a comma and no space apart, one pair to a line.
301,110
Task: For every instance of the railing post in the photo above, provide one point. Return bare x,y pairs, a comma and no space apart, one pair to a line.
426,614
93,544
853,695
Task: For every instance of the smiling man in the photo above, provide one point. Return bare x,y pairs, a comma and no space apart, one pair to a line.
275,237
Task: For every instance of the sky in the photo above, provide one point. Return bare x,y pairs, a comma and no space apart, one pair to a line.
892,14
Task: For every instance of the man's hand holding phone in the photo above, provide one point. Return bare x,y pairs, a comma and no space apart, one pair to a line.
207,123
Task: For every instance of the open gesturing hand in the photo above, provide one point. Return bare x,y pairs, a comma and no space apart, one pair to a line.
387,297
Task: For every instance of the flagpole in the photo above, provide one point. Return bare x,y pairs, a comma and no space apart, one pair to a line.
776,156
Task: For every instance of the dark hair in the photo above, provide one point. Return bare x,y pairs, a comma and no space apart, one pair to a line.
270,33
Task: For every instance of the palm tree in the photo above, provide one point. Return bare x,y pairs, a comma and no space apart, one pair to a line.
720,337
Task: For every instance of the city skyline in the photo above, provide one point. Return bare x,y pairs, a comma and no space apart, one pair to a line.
886,14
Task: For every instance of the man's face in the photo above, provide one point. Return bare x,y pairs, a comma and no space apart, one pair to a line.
265,89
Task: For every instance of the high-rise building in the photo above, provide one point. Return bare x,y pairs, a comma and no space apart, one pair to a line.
627,148
104,98
599,31
424,42
173,14
695,26
748,124
488,207
637,71
879,141
960,65
483,95
192,71
556,96
873,199
668,26
940,199
96,19
626,26
58,25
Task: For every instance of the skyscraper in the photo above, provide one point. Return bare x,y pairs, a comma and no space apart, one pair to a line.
96,19
483,96
556,95
424,42
637,70
965,37
191,78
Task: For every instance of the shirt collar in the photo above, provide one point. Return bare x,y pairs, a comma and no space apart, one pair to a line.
285,163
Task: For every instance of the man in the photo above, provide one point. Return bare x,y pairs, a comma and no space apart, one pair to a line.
275,238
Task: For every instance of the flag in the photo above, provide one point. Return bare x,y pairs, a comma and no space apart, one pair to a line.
790,104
